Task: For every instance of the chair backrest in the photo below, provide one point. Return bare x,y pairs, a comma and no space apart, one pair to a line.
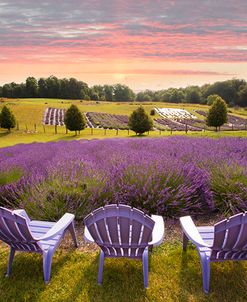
230,238
120,231
15,232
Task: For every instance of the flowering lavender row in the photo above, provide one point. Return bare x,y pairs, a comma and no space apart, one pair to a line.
163,124
54,116
106,120
233,122
168,176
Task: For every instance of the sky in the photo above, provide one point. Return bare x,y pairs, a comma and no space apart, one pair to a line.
143,44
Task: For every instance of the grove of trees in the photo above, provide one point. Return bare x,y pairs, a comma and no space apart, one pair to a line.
233,91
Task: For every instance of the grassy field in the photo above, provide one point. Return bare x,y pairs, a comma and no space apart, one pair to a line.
173,276
29,114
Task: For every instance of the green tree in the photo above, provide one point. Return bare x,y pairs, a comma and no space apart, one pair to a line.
109,92
192,94
243,96
74,120
211,98
217,114
139,121
7,119
123,93
31,87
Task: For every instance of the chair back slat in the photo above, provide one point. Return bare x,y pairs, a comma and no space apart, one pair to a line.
230,238
120,231
14,231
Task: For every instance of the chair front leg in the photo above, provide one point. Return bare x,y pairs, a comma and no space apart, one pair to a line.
71,229
101,267
47,260
205,263
185,242
145,267
11,258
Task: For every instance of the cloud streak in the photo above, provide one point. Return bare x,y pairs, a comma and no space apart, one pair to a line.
78,31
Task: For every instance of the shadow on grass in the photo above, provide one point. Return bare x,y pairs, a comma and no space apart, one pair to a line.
122,281
67,138
26,280
228,280
3,134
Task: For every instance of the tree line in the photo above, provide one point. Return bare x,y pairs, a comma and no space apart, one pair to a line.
234,91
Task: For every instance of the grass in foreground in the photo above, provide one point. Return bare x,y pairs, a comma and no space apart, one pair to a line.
173,276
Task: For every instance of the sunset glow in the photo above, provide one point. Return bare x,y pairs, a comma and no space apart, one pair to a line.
144,44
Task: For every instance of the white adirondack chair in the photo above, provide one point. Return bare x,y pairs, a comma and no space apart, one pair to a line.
122,231
25,235
226,240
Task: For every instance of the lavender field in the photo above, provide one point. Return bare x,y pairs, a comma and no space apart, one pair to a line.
169,176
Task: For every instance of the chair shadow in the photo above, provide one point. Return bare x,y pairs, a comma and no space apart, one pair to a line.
228,281
122,281
26,275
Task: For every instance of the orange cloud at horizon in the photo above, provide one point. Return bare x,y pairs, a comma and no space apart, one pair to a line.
137,74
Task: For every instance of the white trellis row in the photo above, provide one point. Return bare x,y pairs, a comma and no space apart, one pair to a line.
174,114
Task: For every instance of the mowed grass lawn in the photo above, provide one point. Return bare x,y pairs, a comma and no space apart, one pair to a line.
29,114
173,275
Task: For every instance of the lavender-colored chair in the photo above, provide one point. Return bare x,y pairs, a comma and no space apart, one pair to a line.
25,235
122,231
226,240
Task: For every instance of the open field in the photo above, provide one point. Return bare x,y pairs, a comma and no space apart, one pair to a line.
29,115
171,177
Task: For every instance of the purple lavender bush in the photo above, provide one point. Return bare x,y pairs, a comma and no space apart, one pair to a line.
168,176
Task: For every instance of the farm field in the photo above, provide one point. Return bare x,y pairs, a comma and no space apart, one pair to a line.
171,176
30,113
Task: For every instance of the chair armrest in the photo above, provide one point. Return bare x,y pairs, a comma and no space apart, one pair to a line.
87,236
191,231
158,230
58,227
22,213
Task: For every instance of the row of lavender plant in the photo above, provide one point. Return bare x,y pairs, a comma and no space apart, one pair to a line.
106,120
54,116
233,122
168,176
174,125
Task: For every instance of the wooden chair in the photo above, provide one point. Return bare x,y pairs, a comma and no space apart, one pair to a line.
226,240
25,235
122,231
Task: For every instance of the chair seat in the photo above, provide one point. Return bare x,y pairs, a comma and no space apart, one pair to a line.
40,228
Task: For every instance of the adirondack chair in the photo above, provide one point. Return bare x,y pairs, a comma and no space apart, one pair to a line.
226,240
25,235
122,231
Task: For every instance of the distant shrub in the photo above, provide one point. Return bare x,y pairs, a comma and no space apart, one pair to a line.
7,118
152,112
139,121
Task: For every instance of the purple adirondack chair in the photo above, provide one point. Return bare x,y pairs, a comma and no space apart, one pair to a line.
122,231
226,240
25,235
